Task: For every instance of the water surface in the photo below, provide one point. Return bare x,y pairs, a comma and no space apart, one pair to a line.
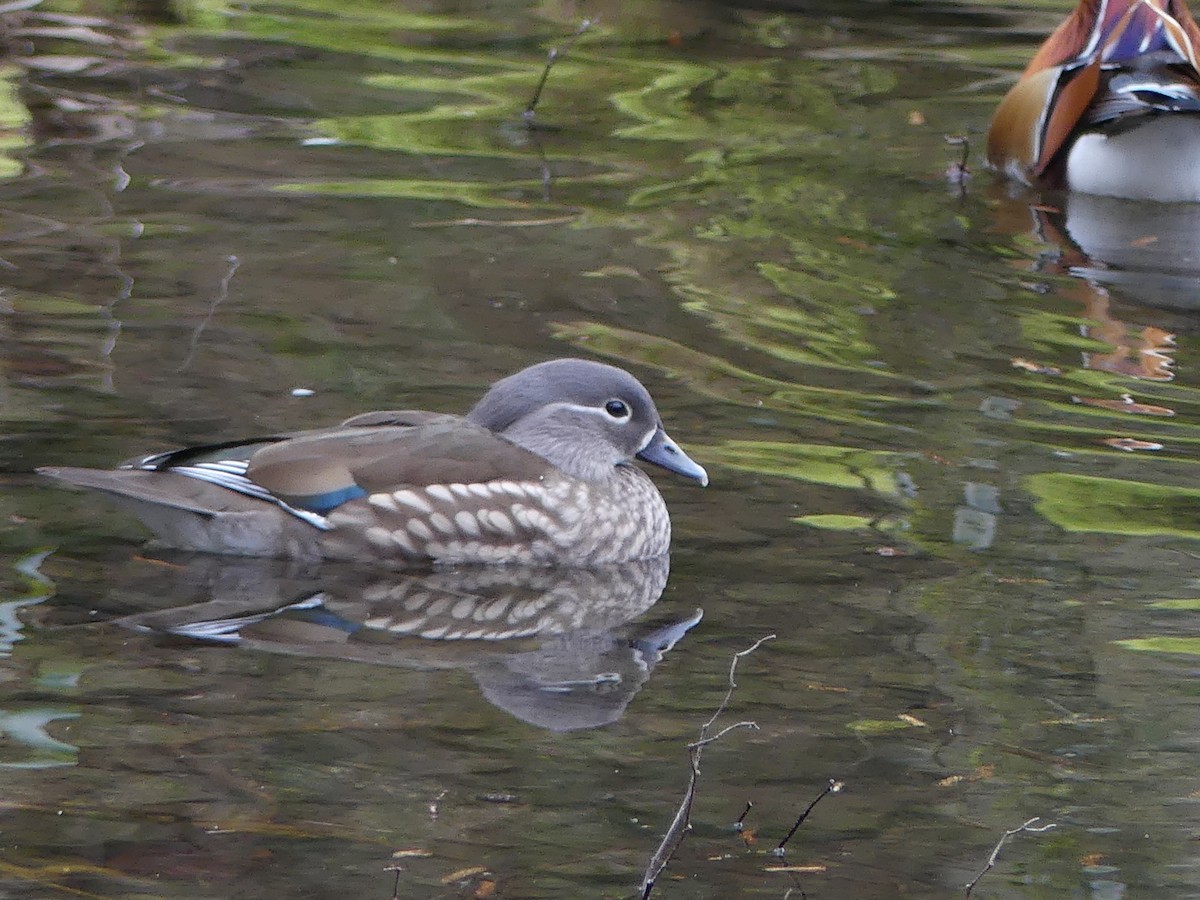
951,431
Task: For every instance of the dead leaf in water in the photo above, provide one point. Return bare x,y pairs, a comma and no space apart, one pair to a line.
60,65
1129,445
1125,404
1028,365
463,874
412,852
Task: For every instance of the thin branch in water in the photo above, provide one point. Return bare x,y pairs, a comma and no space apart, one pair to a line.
991,862
497,223
740,824
551,59
832,788
682,823
17,6
221,296
535,140
396,883
435,807
697,745
732,684
959,173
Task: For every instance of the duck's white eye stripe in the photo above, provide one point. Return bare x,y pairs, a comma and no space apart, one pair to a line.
601,411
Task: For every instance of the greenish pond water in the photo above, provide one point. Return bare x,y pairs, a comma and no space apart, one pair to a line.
952,434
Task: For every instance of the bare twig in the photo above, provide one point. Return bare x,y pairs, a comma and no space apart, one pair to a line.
697,745
551,59
221,296
493,223
435,807
733,684
681,824
960,140
959,173
832,788
991,862
740,824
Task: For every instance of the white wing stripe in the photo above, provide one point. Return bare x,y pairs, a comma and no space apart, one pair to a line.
231,475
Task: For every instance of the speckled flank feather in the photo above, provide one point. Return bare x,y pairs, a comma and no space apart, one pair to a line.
509,522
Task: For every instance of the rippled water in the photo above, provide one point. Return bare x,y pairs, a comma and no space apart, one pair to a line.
952,433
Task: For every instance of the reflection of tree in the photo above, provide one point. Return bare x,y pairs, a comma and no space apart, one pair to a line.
70,126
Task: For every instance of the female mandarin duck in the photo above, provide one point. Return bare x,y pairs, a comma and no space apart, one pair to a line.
538,473
1109,105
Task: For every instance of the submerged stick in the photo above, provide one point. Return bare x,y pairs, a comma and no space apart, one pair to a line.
740,824
681,824
832,788
222,295
959,173
551,59
991,862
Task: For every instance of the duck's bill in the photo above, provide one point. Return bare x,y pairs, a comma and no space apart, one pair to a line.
662,451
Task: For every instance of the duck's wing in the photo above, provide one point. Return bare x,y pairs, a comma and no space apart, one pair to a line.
271,496
193,514
319,471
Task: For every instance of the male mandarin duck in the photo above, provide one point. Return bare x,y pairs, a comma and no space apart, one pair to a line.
539,472
1109,105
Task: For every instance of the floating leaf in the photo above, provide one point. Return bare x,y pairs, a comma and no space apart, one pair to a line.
1027,365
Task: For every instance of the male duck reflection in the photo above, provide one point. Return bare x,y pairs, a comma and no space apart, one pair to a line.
1109,105
539,472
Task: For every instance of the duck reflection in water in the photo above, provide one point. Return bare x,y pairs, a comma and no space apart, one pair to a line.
1137,272
556,648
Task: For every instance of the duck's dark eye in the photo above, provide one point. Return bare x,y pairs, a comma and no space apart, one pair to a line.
618,409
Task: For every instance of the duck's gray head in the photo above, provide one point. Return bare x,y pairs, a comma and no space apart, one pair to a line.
583,417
